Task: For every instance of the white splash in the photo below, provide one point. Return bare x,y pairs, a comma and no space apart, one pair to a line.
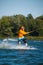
10,46
6,45
22,47
10,39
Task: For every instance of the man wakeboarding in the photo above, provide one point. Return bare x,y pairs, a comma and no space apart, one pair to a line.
21,34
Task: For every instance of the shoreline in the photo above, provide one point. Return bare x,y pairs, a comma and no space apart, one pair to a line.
34,37
28,37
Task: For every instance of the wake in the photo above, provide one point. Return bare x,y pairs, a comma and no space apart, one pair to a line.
6,45
9,39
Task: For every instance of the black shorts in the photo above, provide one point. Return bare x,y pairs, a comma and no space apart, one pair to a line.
22,39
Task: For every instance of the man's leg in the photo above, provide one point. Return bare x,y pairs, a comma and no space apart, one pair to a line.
25,41
19,42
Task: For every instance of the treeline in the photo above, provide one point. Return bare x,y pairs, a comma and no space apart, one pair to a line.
9,25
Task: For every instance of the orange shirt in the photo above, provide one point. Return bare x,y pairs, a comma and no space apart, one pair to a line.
22,33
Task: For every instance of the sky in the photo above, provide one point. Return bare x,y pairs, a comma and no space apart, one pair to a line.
24,7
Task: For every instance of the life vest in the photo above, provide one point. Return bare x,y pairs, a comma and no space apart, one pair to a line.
22,33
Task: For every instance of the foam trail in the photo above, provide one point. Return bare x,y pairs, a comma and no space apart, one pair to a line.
6,45
9,39
22,47
10,46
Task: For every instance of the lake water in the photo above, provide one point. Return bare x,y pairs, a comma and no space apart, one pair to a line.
13,56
